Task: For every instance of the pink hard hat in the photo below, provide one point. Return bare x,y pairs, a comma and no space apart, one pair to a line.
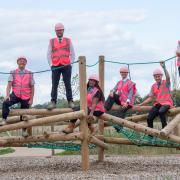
21,57
124,69
157,72
94,77
59,26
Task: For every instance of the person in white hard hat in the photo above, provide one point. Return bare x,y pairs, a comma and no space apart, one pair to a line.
21,82
160,91
60,55
95,102
122,94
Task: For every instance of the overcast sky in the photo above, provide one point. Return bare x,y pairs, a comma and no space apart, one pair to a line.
124,31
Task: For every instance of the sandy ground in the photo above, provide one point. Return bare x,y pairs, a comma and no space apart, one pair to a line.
69,167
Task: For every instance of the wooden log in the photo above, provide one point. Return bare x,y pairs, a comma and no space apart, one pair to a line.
44,112
139,127
42,138
41,121
171,126
83,106
98,142
124,141
100,121
137,118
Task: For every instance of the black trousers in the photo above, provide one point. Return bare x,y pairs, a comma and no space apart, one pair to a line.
115,99
158,110
179,70
13,100
66,74
96,113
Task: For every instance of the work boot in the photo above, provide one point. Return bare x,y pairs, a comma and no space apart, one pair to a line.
3,122
51,106
69,129
25,133
92,129
70,104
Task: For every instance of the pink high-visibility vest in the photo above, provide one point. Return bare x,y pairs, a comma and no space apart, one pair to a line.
60,54
162,94
21,85
90,95
123,91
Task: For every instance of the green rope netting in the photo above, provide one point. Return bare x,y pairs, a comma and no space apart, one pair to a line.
141,139
68,146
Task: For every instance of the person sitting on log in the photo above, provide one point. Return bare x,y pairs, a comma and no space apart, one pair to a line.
21,82
160,92
95,102
122,94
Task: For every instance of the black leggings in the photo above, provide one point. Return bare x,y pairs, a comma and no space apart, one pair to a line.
155,111
115,99
96,113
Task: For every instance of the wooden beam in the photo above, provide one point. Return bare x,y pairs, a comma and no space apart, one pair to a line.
44,112
98,142
83,106
139,127
5,142
42,121
171,126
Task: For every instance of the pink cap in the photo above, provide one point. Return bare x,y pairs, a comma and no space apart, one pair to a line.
94,77
59,26
157,72
21,57
124,69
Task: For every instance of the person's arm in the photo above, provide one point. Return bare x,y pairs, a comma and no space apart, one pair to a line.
94,104
49,54
72,52
148,100
8,90
162,63
114,90
32,96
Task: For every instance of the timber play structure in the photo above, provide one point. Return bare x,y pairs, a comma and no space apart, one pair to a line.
134,132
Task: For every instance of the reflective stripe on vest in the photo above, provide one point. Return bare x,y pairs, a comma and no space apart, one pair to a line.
60,54
21,85
90,95
162,94
123,91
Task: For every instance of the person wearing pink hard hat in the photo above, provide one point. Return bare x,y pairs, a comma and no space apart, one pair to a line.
178,56
160,94
21,82
60,55
122,94
95,103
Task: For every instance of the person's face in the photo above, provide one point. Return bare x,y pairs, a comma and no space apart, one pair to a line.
92,83
158,78
124,75
21,63
60,33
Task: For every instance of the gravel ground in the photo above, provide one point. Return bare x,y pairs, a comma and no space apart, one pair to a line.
69,167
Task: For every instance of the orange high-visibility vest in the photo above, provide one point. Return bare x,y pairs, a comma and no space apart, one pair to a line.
90,95
162,94
21,85
60,54
123,91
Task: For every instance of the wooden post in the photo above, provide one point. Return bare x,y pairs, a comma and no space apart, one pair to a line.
52,150
83,106
100,121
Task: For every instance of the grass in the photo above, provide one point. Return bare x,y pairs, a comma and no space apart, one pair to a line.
6,151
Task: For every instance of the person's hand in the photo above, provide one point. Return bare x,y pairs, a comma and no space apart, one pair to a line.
7,98
111,94
30,102
162,63
124,106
